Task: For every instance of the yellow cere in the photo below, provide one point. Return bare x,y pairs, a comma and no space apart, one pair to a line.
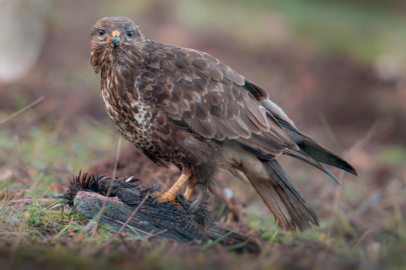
115,33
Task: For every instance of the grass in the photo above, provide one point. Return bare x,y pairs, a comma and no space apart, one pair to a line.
35,229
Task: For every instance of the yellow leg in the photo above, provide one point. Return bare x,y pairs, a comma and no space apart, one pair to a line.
170,195
189,191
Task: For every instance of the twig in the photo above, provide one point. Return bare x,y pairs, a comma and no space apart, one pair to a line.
35,184
54,206
15,159
22,110
17,243
128,221
126,244
29,200
336,204
329,130
138,230
110,187
64,229
43,194
155,234
368,135
99,124
358,144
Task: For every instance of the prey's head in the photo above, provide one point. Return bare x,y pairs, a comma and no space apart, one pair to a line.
115,40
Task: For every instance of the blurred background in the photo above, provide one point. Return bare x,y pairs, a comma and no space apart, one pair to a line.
337,68
334,62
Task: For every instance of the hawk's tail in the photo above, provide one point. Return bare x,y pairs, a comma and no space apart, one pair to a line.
282,197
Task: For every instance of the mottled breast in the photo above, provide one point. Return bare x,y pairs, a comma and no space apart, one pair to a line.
127,110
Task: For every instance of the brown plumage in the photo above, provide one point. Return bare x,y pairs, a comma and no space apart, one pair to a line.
185,107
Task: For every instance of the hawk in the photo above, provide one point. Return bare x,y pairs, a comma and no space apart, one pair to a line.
185,107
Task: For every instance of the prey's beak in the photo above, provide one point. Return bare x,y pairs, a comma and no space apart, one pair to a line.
116,38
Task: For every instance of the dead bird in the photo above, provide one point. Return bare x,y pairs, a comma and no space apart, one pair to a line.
180,222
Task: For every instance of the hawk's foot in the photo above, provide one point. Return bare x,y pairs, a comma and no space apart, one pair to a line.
188,192
165,197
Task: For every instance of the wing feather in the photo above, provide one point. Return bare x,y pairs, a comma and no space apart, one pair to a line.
197,91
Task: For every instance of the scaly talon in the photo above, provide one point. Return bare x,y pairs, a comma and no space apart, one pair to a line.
189,191
165,197
170,195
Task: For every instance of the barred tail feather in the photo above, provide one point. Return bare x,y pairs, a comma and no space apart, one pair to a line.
282,197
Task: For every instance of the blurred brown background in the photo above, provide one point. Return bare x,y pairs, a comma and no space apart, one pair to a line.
334,62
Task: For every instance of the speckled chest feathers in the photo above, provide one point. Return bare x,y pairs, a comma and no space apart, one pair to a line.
126,108
132,108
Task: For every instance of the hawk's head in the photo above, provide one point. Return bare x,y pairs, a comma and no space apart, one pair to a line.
115,40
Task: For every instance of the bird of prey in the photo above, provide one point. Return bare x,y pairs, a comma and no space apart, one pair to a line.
185,107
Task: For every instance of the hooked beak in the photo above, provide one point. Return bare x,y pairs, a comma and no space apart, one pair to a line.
116,38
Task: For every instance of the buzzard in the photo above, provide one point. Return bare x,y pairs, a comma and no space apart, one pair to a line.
185,107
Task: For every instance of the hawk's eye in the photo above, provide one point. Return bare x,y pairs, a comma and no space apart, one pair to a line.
130,33
101,32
